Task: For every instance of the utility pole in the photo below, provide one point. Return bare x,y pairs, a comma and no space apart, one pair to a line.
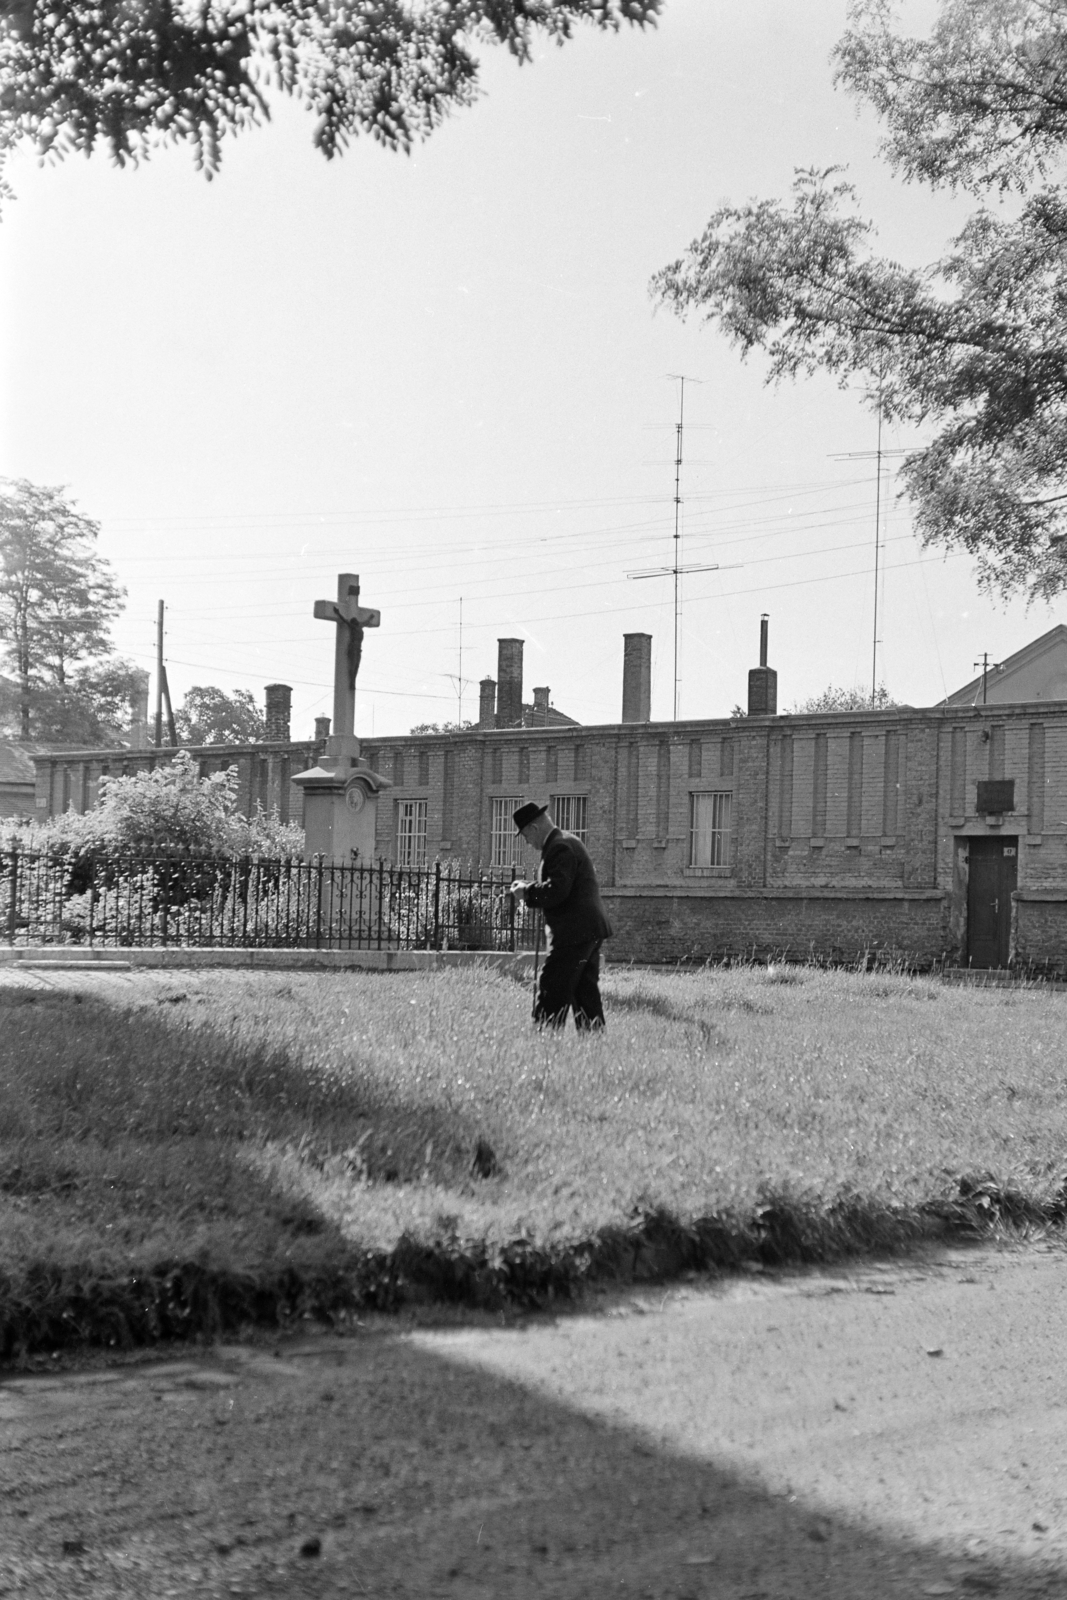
984,664
159,676
162,689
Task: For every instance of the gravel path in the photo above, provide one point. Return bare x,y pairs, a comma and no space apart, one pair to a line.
866,1435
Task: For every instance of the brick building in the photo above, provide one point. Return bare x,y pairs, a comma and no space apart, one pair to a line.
938,834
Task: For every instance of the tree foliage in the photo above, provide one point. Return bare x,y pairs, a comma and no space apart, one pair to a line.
838,698
210,716
58,599
422,728
77,73
167,810
972,347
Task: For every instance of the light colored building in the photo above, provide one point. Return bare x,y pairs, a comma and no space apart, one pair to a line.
17,779
1036,672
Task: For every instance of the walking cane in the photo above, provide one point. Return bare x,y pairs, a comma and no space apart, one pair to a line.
537,956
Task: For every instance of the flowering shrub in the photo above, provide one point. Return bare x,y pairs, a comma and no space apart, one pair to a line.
170,809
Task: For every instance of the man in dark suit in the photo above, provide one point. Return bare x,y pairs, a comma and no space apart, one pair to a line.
566,891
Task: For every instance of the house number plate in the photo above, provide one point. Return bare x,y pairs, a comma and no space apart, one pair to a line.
1009,849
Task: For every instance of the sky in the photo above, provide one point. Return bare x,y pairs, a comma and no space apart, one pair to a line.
444,372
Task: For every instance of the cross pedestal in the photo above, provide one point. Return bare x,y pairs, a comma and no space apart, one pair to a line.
341,793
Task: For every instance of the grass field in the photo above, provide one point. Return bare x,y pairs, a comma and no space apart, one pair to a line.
279,1123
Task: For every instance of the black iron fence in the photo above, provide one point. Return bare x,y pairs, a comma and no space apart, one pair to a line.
123,900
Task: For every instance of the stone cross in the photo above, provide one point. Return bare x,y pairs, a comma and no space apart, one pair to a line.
351,619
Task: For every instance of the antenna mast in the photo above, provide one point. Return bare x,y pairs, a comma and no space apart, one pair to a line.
877,542
679,437
675,570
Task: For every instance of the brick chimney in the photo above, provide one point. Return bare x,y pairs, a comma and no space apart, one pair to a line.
541,703
763,680
636,677
509,683
487,703
322,729
138,736
279,699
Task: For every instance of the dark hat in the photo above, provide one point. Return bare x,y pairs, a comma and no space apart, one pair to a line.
527,814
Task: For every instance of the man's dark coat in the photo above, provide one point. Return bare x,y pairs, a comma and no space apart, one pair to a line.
567,892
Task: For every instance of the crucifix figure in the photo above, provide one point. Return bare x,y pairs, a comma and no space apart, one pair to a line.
351,619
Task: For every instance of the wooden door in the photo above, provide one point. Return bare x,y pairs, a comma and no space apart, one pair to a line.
992,875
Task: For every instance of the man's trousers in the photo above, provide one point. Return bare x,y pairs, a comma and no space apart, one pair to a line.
570,978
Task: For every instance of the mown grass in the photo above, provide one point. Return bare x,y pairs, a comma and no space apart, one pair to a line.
304,1132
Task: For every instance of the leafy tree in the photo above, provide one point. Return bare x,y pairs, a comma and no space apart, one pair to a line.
441,727
133,76
57,601
834,698
974,346
210,716
93,708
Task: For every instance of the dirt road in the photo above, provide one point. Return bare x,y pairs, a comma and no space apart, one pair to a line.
874,1434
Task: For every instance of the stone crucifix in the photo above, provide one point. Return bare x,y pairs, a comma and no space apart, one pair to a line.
351,619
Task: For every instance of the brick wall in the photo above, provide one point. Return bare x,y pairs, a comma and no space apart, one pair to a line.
660,927
844,826
1041,932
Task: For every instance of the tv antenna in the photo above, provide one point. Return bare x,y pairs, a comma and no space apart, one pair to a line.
676,570
457,678
877,455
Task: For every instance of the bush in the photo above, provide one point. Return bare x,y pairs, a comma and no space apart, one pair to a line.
169,810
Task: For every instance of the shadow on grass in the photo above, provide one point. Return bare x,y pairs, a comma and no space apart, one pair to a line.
76,1068
129,1215
642,1002
415,1472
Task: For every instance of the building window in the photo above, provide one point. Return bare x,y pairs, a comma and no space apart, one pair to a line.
506,843
710,818
569,813
411,833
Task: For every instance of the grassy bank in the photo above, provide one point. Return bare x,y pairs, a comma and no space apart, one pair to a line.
195,1150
